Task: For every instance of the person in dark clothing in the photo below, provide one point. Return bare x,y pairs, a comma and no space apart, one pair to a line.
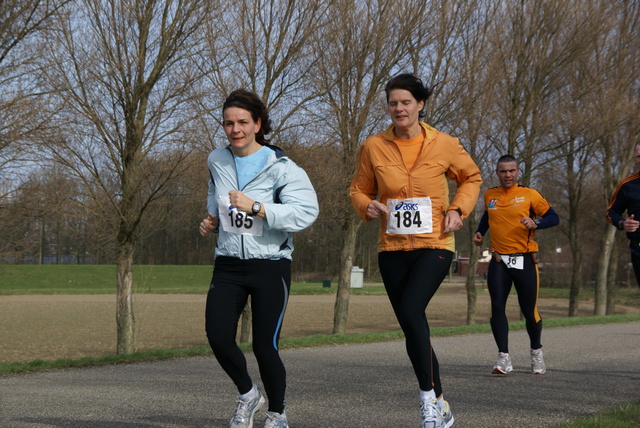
627,198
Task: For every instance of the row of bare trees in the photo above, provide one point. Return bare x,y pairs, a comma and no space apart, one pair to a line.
109,108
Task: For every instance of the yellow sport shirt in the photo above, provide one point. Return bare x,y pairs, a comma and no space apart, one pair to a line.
505,208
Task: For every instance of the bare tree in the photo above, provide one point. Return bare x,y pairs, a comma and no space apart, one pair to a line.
569,175
534,43
469,107
20,116
616,64
124,70
264,46
356,59
573,135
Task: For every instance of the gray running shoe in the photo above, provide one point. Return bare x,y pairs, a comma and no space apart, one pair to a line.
537,362
430,412
276,420
243,417
503,364
446,416
435,417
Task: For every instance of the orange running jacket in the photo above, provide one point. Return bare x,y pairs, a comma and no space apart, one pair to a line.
382,172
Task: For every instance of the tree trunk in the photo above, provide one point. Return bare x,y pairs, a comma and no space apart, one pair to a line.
612,283
576,284
600,307
41,257
124,308
341,308
470,285
576,272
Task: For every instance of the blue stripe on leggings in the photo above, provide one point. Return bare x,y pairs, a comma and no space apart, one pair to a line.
284,307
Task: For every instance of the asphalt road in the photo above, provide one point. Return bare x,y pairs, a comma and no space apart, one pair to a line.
590,369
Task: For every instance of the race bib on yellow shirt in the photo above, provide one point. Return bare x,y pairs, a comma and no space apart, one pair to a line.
236,221
409,216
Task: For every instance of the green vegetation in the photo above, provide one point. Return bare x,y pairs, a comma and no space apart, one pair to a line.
157,279
101,279
624,416
624,296
180,279
315,288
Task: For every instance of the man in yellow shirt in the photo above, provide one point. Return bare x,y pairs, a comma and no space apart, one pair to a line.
513,213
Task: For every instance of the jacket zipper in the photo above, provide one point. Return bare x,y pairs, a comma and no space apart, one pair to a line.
411,196
409,183
267,166
233,158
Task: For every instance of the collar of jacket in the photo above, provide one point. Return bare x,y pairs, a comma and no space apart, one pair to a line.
428,132
279,152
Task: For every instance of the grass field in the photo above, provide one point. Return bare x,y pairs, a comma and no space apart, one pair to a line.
147,279
101,279
180,279
624,416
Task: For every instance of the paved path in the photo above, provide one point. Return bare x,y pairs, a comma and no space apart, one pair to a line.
590,369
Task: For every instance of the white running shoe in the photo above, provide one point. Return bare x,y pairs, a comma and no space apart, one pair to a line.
503,364
446,416
243,417
435,417
537,362
276,420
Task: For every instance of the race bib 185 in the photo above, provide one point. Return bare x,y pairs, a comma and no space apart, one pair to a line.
409,216
236,221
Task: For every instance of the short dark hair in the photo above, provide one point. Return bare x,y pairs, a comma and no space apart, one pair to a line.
505,159
411,83
251,102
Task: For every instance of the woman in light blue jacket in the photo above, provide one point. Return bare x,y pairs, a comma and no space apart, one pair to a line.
257,198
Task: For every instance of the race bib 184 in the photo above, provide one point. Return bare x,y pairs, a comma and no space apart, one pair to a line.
409,216
236,221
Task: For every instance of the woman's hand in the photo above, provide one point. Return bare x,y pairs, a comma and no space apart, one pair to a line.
239,200
208,225
452,221
375,209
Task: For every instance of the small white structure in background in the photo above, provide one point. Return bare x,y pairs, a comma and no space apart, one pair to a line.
485,256
357,277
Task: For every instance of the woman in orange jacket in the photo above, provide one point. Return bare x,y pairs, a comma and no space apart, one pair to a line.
407,166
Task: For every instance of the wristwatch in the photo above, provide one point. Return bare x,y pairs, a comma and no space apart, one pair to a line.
255,208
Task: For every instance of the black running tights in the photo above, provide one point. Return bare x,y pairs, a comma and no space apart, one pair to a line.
268,283
411,278
526,280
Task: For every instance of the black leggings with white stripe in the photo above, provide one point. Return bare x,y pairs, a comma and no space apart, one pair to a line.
411,278
268,283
